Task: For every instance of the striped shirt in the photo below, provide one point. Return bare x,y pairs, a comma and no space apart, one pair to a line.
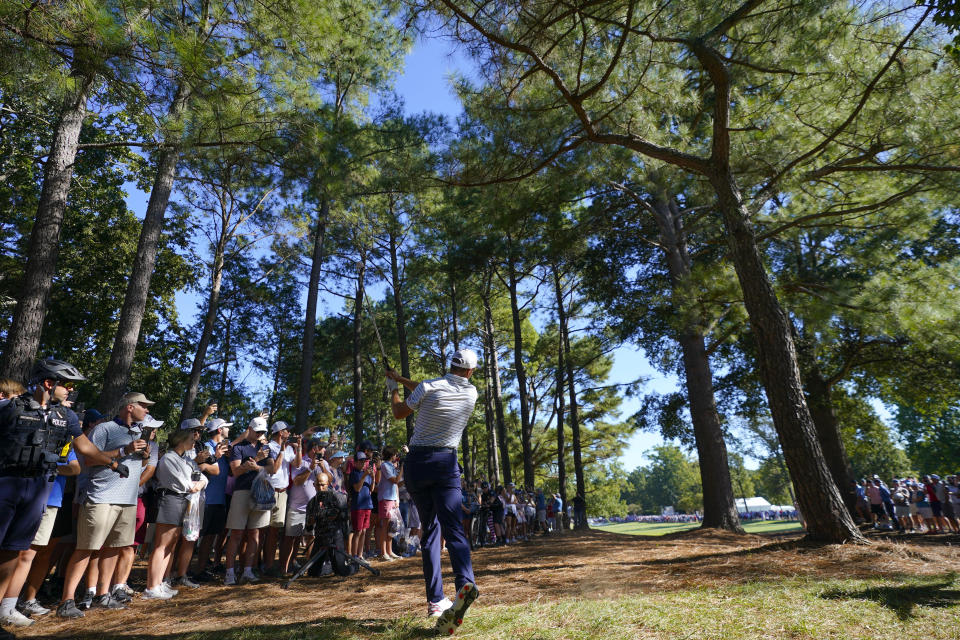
443,406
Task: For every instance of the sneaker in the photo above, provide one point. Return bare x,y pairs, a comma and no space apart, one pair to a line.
121,596
452,618
87,600
436,609
32,608
166,587
229,580
106,601
68,609
156,594
16,619
127,589
184,581
201,577
249,578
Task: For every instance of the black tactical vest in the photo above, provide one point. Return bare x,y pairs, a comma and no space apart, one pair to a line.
33,438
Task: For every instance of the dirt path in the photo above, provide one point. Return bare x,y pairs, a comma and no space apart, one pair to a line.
592,564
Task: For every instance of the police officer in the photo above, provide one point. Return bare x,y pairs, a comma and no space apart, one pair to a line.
34,429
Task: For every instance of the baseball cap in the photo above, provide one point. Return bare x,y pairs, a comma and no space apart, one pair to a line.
361,456
339,454
135,397
218,423
258,424
279,426
92,415
191,423
150,422
464,359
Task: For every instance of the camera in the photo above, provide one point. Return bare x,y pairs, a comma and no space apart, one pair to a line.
195,476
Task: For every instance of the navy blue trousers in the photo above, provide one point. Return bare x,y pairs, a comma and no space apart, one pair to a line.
433,480
22,501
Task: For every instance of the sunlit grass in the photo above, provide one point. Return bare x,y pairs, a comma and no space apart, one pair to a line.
796,608
659,529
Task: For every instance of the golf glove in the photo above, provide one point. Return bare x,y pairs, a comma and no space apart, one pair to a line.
391,384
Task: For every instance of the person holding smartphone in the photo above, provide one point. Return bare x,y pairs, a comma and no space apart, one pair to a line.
178,477
243,520
361,501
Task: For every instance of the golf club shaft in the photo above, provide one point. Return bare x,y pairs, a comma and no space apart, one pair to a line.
373,319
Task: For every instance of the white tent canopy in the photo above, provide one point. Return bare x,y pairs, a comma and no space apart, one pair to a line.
753,504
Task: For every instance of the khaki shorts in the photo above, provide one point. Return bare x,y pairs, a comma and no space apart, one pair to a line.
242,515
42,538
106,525
278,515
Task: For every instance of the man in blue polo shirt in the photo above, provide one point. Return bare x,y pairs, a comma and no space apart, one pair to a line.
432,476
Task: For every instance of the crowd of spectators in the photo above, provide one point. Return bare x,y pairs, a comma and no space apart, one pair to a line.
927,504
208,504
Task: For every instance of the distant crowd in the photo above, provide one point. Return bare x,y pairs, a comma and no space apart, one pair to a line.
911,505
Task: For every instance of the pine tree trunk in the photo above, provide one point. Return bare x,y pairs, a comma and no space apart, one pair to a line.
26,327
490,331
357,364
206,333
493,454
310,321
719,510
572,389
117,375
828,428
275,391
400,315
561,410
226,363
525,429
826,516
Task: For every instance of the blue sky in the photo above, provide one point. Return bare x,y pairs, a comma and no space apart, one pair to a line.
425,85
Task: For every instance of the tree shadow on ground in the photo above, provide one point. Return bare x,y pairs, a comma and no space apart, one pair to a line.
903,599
337,628
773,547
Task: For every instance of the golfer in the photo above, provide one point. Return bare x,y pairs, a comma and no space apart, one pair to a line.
432,476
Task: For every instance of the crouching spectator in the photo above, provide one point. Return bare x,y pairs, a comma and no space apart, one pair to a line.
326,520
178,477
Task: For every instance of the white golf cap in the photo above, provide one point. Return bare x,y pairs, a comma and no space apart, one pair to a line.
218,423
151,423
258,424
464,359
191,423
279,426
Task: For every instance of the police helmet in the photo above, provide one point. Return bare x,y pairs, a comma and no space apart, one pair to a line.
54,370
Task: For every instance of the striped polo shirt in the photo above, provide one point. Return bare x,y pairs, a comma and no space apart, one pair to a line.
443,406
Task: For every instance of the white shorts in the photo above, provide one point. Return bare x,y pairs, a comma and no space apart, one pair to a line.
242,514
295,524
